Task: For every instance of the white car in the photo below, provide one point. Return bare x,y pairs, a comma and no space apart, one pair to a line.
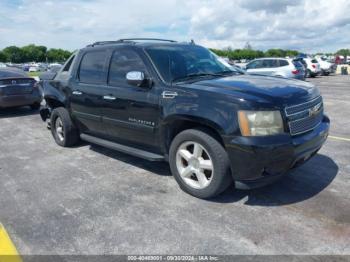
326,67
33,69
276,66
313,67
2,65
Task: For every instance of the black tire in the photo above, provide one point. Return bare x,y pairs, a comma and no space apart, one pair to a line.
35,106
221,177
70,132
308,73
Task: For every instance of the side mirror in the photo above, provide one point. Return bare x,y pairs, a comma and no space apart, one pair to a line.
137,78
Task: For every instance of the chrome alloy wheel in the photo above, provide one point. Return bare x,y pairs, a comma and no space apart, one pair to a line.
59,129
194,165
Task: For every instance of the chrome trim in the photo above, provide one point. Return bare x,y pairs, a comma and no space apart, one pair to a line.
169,94
310,101
109,97
295,134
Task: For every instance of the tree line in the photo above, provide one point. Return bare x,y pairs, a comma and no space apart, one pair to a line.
248,53
33,53
36,53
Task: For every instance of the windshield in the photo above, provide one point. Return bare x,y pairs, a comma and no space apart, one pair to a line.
180,63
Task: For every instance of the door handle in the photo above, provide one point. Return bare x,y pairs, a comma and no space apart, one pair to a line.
169,94
109,97
77,93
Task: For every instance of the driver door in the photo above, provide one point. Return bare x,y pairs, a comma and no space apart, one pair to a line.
130,112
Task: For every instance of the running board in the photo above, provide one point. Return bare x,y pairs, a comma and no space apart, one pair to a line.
122,148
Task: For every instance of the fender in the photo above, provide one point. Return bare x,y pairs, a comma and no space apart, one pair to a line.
53,98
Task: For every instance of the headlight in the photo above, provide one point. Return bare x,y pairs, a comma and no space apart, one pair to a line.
260,123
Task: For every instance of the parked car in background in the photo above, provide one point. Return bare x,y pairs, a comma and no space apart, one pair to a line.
282,67
302,61
326,67
17,89
2,65
33,69
313,67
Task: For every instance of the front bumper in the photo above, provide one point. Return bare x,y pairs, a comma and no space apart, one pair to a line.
19,100
257,161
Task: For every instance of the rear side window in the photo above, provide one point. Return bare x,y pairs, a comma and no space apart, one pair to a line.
7,73
314,61
298,64
122,62
269,63
92,68
283,62
68,64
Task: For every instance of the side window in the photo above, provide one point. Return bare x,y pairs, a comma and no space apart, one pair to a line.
269,63
122,62
92,68
283,62
68,64
255,64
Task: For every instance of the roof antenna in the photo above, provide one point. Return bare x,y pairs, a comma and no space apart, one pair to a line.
192,42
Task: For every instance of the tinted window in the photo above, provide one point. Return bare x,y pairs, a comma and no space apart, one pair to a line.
298,64
314,61
283,62
177,62
124,61
7,73
92,68
269,63
68,64
255,64
301,61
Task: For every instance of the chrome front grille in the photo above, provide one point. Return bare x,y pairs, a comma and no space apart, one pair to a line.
304,117
302,107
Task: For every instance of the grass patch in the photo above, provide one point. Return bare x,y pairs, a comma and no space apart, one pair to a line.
32,74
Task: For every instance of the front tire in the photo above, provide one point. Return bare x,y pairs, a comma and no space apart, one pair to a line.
199,164
62,128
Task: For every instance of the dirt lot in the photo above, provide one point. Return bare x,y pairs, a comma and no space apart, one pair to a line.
90,200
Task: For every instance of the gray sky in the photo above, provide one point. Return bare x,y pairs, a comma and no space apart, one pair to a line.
305,25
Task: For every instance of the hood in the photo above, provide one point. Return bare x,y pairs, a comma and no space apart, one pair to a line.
276,89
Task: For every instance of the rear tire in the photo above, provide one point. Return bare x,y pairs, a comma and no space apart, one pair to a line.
35,106
205,171
62,128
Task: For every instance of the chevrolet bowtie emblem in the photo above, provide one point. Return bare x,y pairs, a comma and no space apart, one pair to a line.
314,110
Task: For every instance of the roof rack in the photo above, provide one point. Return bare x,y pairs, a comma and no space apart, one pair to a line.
129,40
147,39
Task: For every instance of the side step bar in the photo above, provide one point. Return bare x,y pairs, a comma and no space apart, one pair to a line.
122,148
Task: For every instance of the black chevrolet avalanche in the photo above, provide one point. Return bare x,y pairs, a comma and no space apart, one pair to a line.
178,102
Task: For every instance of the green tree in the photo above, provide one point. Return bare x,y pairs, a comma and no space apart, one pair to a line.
57,55
275,53
14,54
3,57
34,53
343,52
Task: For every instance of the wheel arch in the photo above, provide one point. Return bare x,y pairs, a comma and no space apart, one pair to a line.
173,125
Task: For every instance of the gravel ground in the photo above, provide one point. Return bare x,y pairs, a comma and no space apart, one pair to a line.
91,200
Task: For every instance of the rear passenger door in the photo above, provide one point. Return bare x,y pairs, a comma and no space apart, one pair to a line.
87,91
255,66
270,67
130,112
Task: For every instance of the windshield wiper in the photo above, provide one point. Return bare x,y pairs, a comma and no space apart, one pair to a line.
190,76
